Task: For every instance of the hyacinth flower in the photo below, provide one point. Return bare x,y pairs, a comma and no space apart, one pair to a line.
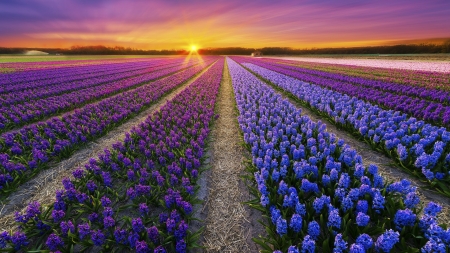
420,148
414,78
78,79
164,153
50,74
59,137
290,156
27,108
394,88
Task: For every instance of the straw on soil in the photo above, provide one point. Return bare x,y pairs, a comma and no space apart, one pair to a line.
42,188
230,224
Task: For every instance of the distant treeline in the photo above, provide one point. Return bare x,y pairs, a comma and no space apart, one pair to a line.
93,50
103,50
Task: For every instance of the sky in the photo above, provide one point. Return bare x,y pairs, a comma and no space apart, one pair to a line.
173,24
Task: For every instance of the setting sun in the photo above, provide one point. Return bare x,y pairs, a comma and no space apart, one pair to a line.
194,48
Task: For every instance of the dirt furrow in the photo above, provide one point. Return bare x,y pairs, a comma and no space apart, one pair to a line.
230,224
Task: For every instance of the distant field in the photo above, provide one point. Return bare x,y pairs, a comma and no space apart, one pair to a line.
40,58
412,63
13,63
421,57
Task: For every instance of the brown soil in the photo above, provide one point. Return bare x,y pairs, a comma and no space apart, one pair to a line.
230,224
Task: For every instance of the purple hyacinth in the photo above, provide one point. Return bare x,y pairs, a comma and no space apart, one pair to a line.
143,209
108,222
137,225
105,201
84,230
58,215
19,240
142,247
54,242
120,235
98,237
153,234
66,227
181,247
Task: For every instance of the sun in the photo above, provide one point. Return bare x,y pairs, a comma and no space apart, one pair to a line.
194,48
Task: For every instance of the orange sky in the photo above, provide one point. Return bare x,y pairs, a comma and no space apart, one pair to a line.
177,24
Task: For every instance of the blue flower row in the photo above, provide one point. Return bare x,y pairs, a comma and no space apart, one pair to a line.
422,148
434,112
315,189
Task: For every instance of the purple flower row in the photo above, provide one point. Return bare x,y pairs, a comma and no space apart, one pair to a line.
315,189
431,80
30,79
31,111
30,149
138,196
415,144
396,88
84,80
434,112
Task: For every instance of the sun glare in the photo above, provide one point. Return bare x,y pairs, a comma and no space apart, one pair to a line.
193,48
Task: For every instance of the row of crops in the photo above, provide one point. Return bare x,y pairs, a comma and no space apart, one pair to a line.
419,147
28,150
313,190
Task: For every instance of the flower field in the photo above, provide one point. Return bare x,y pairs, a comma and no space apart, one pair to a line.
419,147
401,64
311,190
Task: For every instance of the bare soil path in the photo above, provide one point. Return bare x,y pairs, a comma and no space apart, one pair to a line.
230,224
42,187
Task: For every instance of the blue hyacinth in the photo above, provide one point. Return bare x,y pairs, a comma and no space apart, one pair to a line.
340,245
357,248
387,240
296,223
314,230
432,209
365,240
334,220
281,226
308,245
404,218
362,219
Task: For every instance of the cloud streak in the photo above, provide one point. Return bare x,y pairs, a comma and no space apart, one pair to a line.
176,24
